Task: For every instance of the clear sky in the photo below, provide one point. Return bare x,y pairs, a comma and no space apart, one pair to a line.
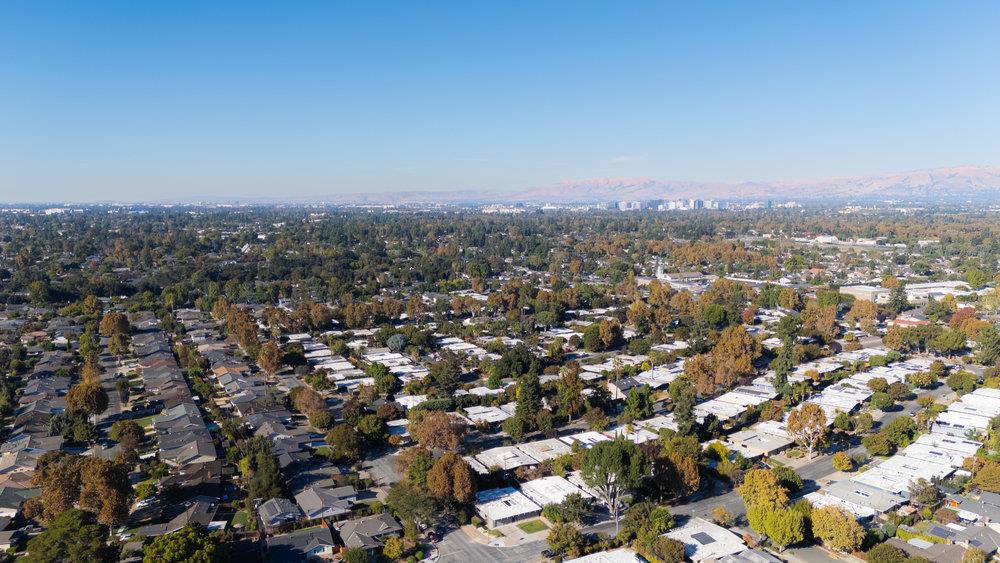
152,100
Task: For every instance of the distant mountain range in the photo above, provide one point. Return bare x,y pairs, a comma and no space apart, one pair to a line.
937,183
956,184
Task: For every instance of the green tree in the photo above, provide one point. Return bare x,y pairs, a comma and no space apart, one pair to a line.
565,539
784,527
886,553
344,442
385,381
882,401
639,403
570,396
189,544
529,396
127,433
612,468
961,382
355,555
410,503
898,301
446,374
683,397
71,536
373,428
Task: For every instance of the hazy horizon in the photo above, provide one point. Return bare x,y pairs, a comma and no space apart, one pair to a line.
168,102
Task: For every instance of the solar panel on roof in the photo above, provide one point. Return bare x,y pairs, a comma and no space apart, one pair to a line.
703,538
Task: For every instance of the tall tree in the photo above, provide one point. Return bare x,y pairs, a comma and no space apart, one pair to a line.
570,396
612,468
807,425
529,396
683,399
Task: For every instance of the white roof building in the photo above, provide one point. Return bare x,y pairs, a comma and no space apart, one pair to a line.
620,555
551,490
543,450
489,415
505,458
585,439
704,540
632,433
505,505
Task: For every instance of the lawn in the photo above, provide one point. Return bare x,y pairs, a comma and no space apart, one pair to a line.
532,526
241,517
145,422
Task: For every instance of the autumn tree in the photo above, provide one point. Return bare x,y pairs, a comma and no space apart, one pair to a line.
762,487
864,314
698,370
306,400
733,355
436,430
96,485
820,321
677,472
450,480
837,529
842,461
105,490
89,398
114,322
807,425
269,357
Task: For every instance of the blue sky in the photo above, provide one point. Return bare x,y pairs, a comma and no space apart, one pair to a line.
154,100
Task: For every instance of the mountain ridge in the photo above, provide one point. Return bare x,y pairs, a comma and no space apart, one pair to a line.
932,182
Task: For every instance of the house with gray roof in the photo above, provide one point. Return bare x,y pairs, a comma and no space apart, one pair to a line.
322,502
369,532
278,512
301,545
